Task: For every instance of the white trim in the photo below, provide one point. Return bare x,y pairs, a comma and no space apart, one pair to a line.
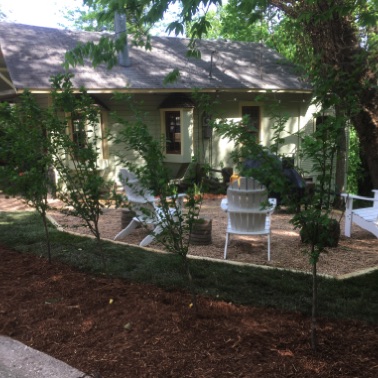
186,137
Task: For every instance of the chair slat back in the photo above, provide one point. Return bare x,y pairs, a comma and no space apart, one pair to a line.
246,198
142,200
246,193
135,192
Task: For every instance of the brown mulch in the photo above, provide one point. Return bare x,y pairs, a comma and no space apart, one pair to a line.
110,328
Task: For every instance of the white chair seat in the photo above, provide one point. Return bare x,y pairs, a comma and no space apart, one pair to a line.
365,217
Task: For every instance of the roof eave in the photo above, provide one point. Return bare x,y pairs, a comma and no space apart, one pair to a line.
8,94
176,90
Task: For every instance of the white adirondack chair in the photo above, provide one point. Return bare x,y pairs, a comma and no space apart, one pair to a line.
145,206
249,210
365,217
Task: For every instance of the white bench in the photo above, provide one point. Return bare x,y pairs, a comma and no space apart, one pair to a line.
366,217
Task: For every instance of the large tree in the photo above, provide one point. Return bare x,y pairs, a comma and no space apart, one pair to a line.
342,36
337,39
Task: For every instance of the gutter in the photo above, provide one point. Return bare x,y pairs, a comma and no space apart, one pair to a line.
175,90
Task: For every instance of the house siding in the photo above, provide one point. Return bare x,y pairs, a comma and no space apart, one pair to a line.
297,109
214,150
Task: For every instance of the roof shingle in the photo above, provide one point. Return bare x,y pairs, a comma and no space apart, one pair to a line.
32,54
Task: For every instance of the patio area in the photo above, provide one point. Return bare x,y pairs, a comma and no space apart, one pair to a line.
355,254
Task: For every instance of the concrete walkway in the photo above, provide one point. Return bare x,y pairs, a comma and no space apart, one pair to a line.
20,361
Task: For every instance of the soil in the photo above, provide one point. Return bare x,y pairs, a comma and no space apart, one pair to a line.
111,328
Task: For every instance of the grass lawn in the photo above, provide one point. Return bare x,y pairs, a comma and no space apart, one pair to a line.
354,298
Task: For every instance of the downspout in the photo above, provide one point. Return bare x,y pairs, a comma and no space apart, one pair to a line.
347,131
298,135
120,28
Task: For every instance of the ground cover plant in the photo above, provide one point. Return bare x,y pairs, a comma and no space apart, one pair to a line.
134,319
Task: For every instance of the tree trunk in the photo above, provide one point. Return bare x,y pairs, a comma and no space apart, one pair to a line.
47,233
341,160
345,64
191,284
341,67
366,124
314,339
364,184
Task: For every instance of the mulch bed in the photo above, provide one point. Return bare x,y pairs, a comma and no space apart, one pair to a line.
111,328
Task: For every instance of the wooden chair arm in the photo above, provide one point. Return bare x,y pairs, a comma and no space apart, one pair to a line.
355,196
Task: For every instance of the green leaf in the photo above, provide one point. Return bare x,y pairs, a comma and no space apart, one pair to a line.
172,77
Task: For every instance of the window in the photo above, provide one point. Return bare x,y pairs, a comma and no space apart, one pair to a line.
173,132
177,131
177,125
253,114
87,132
78,131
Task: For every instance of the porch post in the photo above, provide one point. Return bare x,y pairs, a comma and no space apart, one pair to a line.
348,216
375,203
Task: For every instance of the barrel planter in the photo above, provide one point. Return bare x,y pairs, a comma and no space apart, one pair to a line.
126,217
201,232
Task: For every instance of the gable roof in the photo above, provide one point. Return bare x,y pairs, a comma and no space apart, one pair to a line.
32,54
